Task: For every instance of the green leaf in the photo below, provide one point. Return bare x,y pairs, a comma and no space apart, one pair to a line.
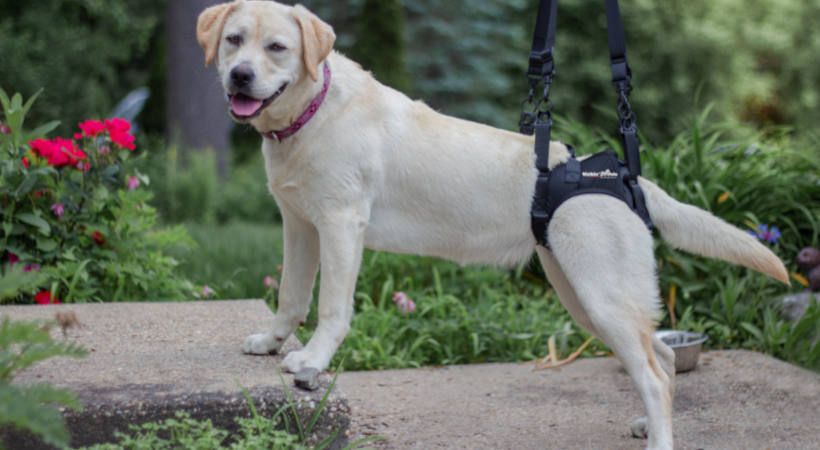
42,130
46,245
110,173
16,102
31,101
4,99
27,185
22,408
35,221
15,281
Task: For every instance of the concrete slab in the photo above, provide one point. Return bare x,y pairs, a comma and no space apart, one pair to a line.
734,400
149,360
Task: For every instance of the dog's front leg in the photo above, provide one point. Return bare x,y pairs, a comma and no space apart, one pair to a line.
341,245
301,262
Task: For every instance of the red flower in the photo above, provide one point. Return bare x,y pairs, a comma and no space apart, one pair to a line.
13,259
117,124
58,152
26,162
98,238
120,132
45,298
92,128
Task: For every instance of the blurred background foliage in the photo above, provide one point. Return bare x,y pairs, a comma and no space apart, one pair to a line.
752,59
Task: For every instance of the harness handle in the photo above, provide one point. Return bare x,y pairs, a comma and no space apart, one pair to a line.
541,70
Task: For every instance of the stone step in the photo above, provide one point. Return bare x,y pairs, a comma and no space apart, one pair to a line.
734,400
149,360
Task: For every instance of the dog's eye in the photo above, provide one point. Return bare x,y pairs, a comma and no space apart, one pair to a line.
277,47
235,39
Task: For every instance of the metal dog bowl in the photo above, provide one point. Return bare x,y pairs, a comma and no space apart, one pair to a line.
687,346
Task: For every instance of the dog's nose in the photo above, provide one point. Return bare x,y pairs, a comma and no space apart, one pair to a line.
242,75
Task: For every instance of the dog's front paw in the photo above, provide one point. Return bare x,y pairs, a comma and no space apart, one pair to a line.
295,362
640,428
261,344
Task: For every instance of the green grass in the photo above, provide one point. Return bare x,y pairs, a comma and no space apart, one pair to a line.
232,259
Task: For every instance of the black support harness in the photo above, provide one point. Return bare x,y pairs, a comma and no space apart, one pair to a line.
602,173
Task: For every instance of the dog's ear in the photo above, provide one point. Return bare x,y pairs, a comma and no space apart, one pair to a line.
209,28
317,39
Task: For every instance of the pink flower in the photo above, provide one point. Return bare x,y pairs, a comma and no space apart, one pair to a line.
45,298
92,128
270,282
104,150
13,259
404,303
31,268
133,183
58,209
4,129
207,291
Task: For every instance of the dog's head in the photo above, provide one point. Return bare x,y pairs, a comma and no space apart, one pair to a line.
265,52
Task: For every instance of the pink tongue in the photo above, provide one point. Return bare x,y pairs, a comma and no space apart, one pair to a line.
245,106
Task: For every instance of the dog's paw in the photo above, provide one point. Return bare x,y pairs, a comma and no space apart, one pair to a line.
260,344
295,362
640,428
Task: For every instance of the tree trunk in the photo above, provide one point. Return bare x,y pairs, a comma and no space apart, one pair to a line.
196,111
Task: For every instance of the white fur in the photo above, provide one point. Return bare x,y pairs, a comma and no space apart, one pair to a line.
375,169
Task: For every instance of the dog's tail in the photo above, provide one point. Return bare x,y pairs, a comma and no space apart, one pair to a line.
697,231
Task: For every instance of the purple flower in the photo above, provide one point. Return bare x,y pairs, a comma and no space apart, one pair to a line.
58,209
104,150
766,233
404,303
207,291
270,282
4,129
133,183
31,268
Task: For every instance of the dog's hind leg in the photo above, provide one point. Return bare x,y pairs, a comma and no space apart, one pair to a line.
605,253
666,357
558,281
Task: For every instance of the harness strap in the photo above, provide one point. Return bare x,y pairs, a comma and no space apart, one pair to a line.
622,80
541,70
539,122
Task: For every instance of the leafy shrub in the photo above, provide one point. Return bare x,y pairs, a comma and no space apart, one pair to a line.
22,344
190,191
73,210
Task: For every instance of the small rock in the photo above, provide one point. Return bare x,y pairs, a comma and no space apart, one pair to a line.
795,306
307,379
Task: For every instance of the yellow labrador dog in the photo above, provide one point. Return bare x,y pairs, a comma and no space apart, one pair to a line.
354,164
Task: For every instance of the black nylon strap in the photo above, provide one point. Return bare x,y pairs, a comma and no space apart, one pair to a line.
541,70
622,80
543,42
617,43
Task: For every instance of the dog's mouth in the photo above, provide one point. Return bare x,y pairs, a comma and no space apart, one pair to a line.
245,107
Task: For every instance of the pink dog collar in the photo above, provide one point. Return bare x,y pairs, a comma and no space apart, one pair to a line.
308,114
